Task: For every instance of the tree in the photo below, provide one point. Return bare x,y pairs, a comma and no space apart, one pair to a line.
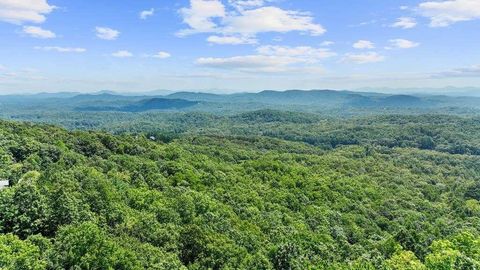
29,208
460,252
16,254
404,260
287,257
86,246
443,256
427,143
473,191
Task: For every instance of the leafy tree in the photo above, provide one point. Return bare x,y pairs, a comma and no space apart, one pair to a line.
287,256
427,143
86,246
460,252
16,254
473,191
404,260
24,208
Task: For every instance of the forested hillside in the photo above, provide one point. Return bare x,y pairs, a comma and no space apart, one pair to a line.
239,135
270,191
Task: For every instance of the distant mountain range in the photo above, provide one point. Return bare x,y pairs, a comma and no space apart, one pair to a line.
333,99
445,91
145,105
319,99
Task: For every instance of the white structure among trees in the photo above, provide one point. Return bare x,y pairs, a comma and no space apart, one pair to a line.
4,183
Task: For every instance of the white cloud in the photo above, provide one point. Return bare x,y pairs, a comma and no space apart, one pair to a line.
363,58
445,13
247,18
404,7
261,64
405,23
232,40
161,55
21,11
38,32
364,23
244,4
272,59
106,33
402,44
199,16
122,54
146,13
250,63
363,44
327,43
305,52
8,74
24,74
473,71
61,49
271,19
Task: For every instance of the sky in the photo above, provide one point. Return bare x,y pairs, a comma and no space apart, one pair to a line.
237,45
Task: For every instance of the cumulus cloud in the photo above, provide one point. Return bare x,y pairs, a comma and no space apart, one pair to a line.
245,18
106,33
122,54
61,49
402,44
271,19
199,16
363,58
405,23
232,40
18,11
146,13
271,59
445,13
363,44
38,32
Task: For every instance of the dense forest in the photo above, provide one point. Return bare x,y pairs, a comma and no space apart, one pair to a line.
239,135
274,190
391,189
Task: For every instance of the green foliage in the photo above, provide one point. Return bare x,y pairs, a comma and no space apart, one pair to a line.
404,260
473,191
24,208
86,246
460,252
16,254
292,191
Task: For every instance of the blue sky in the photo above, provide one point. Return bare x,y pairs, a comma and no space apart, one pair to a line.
237,45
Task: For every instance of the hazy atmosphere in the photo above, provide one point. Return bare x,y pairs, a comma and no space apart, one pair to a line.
237,45
239,134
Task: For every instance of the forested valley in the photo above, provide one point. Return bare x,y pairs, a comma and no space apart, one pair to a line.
258,189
